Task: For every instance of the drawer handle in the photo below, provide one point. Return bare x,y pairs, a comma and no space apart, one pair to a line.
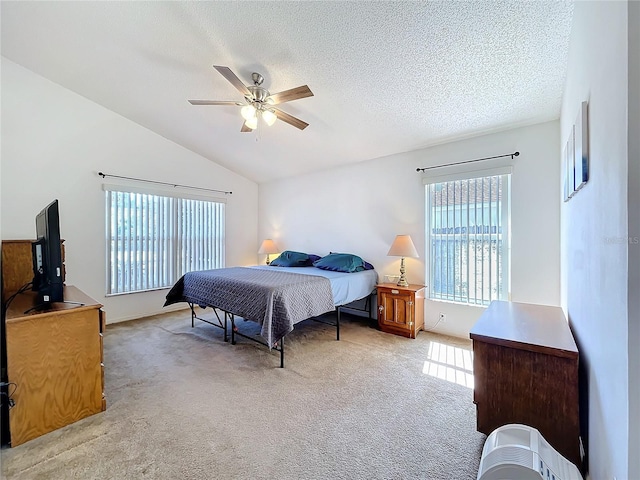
395,292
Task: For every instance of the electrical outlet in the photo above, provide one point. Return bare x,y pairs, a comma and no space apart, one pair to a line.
442,317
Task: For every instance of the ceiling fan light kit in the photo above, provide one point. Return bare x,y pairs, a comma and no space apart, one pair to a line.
251,113
252,123
248,112
269,117
259,102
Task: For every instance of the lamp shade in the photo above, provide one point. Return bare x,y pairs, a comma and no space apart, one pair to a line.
403,246
252,123
268,246
269,117
248,112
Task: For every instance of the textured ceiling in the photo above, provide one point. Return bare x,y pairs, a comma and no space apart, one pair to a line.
388,77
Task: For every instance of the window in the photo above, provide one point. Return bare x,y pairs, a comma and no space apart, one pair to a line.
468,231
153,240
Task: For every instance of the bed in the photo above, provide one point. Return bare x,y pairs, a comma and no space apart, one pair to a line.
275,297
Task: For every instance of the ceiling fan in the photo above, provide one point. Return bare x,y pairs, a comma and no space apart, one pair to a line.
259,102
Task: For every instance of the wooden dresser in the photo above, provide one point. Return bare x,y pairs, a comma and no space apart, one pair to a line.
525,364
401,309
55,362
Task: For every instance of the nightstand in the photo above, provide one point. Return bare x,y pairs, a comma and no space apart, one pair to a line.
401,309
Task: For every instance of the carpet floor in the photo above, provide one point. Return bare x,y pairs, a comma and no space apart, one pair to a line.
181,403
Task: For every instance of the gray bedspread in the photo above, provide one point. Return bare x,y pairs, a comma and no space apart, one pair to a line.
276,300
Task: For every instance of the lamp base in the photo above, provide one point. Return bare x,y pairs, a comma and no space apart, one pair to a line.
402,281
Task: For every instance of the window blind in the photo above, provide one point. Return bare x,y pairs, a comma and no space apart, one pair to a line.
152,240
468,239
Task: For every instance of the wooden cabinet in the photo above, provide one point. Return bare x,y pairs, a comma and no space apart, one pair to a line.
525,364
401,309
54,358
17,266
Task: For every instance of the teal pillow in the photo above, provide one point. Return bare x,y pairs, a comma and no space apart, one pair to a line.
340,262
291,259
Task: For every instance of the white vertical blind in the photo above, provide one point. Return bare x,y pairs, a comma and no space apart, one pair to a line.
153,240
201,242
468,239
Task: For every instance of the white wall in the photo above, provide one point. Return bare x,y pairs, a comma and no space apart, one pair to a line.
634,233
595,234
53,144
361,208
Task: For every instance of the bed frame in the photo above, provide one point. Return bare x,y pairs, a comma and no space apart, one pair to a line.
223,323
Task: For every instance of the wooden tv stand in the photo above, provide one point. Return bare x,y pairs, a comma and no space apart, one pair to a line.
55,363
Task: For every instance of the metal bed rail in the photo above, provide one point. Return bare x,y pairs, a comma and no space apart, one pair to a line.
279,345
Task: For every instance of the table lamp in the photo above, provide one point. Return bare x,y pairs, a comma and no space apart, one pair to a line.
268,246
403,247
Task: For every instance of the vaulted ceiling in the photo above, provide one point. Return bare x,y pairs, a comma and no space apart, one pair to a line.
387,77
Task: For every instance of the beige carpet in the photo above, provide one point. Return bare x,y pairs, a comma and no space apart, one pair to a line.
182,404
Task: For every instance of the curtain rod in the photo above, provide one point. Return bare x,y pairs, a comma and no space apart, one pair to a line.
514,154
103,175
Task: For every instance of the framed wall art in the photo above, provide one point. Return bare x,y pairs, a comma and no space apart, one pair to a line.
581,148
568,167
575,155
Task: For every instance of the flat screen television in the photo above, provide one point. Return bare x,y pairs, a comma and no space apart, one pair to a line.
46,252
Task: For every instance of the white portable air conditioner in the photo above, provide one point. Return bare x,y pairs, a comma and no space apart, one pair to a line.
519,452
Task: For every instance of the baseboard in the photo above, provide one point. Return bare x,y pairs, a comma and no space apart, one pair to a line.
171,308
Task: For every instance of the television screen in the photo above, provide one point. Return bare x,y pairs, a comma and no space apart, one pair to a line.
47,256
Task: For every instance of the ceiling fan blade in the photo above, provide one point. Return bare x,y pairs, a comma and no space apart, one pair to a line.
214,102
289,95
291,120
245,128
233,79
